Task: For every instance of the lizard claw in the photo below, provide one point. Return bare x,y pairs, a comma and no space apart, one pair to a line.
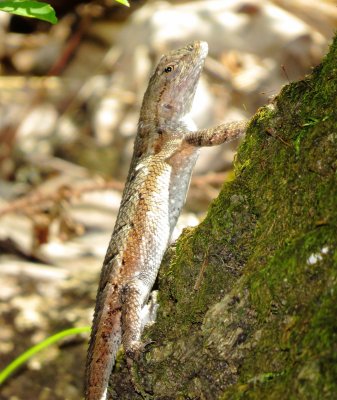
148,344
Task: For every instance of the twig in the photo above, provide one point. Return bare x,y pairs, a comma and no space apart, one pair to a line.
38,200
201,273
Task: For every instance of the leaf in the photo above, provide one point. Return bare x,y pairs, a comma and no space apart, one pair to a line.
124,2
31,9
24,357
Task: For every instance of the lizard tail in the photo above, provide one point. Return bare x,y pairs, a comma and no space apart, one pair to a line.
104,343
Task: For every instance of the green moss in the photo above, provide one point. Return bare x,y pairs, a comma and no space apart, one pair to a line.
248,298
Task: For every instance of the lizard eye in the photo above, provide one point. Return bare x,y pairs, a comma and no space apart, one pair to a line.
168,69
190,47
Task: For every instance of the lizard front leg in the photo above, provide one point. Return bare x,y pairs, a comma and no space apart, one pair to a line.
217,135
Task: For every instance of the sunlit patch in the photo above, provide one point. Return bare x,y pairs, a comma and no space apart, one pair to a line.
315,257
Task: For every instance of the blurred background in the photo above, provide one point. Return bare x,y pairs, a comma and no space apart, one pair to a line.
69,103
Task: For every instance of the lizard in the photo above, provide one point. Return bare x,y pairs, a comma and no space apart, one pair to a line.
165,151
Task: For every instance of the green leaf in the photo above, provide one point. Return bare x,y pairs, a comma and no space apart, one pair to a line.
22,358
124,2
31,9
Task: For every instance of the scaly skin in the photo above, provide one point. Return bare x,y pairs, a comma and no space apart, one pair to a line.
164,155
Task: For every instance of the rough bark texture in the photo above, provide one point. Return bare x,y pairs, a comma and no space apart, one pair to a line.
248,299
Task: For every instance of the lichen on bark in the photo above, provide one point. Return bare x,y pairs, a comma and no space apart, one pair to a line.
248,299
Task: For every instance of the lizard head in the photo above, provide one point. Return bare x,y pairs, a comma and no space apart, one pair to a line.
172,85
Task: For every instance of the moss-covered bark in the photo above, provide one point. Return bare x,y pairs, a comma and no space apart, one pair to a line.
248,299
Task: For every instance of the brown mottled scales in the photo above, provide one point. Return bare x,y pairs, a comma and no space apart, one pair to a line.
165,151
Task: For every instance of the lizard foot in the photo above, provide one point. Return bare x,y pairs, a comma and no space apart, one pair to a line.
137,348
